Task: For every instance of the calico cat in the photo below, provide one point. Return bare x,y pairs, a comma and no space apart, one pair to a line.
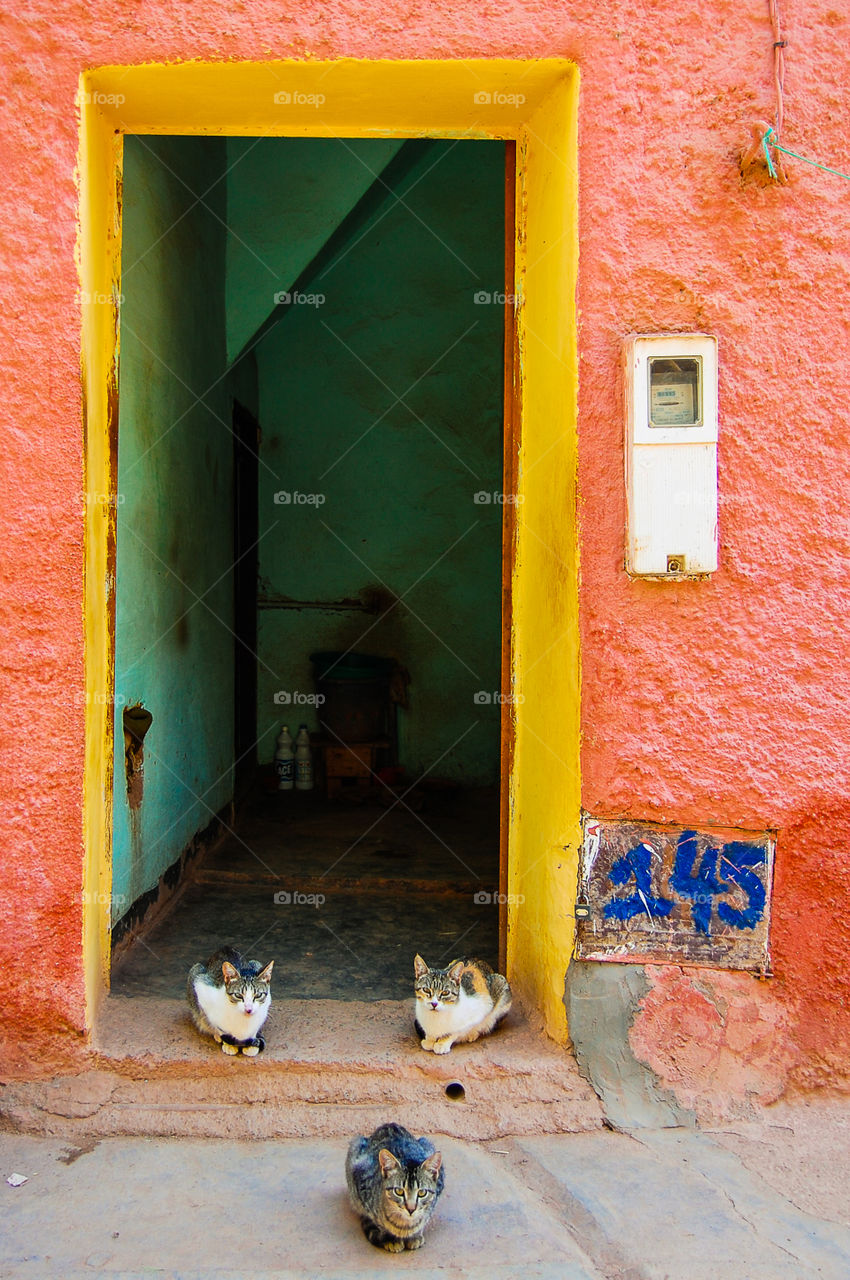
458,1004
394,1181
229,999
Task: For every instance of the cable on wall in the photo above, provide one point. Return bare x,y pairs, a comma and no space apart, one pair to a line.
756,157
766,149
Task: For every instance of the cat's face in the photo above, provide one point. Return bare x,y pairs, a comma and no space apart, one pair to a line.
409,1194
436,988
249,995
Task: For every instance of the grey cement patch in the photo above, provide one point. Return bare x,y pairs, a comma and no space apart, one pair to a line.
601,1002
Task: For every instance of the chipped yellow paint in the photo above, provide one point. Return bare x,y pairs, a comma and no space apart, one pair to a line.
98,249
545,826
535,103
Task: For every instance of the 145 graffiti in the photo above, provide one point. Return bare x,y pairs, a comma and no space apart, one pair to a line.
738,861
671,892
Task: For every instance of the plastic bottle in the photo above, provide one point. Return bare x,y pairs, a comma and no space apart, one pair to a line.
303,761
284,760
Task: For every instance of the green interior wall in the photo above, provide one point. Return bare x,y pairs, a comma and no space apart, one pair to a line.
173,654
284,200
396,515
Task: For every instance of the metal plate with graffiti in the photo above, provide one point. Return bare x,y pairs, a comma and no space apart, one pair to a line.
674,894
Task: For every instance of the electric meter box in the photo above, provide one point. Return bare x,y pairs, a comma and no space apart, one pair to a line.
671,454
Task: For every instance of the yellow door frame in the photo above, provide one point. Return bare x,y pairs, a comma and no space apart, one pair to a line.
535,104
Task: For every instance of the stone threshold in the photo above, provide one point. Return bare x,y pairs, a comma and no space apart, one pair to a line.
331,1068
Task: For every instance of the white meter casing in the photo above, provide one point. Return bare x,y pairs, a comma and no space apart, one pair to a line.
671,454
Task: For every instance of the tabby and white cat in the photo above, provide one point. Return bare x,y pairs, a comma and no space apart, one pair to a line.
459,1003
394,1181
229,999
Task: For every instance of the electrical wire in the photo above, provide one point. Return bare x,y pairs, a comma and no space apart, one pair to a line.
778,65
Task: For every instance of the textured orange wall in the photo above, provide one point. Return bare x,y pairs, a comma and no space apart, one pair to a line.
728,701
723,701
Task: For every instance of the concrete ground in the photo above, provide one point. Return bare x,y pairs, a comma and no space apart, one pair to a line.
760,1201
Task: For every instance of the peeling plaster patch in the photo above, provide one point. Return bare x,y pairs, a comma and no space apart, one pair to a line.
602,1002
75,1097
720,1042
717,1001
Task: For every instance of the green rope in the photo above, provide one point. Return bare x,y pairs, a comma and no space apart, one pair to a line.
770,166
772,169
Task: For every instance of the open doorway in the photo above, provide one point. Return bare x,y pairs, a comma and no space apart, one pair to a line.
310,462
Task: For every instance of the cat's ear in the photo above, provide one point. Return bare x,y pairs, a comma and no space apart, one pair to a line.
455,970
432,1165
388,1162
420,968
266,975
229,973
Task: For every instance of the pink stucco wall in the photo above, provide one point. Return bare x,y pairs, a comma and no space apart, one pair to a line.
728,701
720,701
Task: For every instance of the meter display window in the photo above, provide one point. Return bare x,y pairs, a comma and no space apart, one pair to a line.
675,391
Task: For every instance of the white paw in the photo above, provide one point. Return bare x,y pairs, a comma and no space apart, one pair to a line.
251,1050
415,1242
427,1044
442,1046
394,1246
232,1049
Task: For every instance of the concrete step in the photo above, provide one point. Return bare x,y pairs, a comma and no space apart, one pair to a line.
331,1068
